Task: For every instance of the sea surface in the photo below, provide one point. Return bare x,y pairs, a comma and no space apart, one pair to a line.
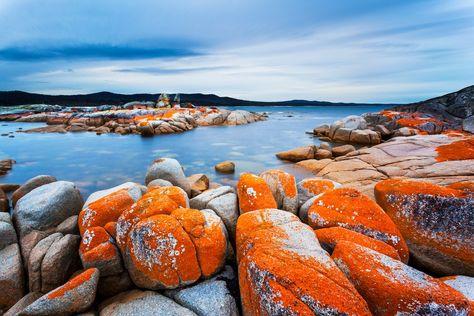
95,162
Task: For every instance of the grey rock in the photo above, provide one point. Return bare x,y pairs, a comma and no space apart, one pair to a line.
7,232
11,276
468,124
36,258
68,226
200,202
23,303
159,183
114,284
30,185
463,284
168,169
143,303
303,211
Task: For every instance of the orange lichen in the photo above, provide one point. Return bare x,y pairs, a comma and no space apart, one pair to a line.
104,210
466,186
353,210
162,251
458,150
208,237
391,287
317,186
390,114
97,245
111,228
254,193
415,121
329,237
72,284
282,271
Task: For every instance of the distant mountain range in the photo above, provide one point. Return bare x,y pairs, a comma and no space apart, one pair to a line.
11,98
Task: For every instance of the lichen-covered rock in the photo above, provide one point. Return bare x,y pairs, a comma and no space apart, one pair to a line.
310,187
254,193
75,296
43,209
437,223
298,154
168,169
393,288
329,237
283,187
98,250
284,271
463,284
143,303
168,251
106,206
353,210
11,276
30,185
221,200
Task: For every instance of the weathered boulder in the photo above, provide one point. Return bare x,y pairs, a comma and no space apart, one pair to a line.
463,284
23,303
405,132
393,288
168,251
143,303
168,169
225,167
199,183
7,231
221,200
342,135
159,183
322,154
353,210
283,187
322,130
342,150
11,276
437,223
314,165
5,166
74,296
298,154
364,137
112,285
468,124
254,193
284,271
30,185
329,237
310,187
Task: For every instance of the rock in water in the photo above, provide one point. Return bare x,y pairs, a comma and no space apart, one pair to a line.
437,223
74,296
254,193
225,167
298,154
353,210
283,187
393,288
168,169
284,271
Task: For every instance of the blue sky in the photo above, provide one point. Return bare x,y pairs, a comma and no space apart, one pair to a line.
353,51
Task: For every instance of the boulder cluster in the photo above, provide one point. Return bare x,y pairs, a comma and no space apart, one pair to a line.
138,118
179,245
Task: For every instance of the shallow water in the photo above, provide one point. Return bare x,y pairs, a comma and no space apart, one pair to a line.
97,162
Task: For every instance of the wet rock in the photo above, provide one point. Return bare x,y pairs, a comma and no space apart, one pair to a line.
391,287
168,251
9,187
168,169
298,154
30,185
353,210
342,150
329,237
221,200
284,271
43,209
5,166
74,296
310,187
283,187
254,193
23,303
225,167
11,276
98,250
143,303
437,223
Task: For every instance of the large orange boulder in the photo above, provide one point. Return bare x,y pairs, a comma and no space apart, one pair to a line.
329,237
254,193
168,251
284,271
437,223
391,287
348,208
310,187
283,187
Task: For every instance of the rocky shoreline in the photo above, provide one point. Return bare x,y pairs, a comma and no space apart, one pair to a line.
146,119
179,245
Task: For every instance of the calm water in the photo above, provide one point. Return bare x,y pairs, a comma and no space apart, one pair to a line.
98,162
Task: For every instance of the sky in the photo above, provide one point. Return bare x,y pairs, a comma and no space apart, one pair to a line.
373,51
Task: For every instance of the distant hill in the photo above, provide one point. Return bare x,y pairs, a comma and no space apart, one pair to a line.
11,98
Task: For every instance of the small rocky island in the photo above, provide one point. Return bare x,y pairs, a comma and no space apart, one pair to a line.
144,118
